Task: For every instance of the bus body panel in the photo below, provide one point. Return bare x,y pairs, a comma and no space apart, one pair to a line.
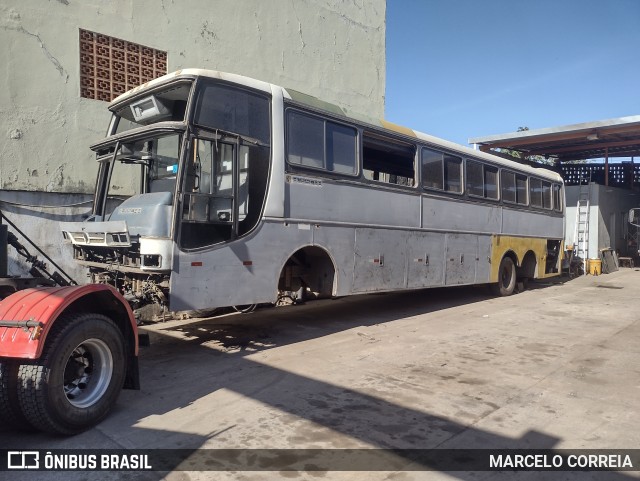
242,272
461,259
484,266
453,215
379,260
274,203
318,199
532,224
366,259
426,252
339,242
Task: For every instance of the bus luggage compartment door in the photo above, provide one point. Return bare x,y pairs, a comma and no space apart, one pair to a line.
426,256
380,260
461,259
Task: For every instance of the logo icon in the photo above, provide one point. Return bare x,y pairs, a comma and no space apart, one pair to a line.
23,460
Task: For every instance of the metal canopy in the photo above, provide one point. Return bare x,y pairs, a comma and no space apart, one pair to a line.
592,140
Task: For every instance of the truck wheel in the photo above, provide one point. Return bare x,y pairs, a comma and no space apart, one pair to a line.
78,378
10,412
506,278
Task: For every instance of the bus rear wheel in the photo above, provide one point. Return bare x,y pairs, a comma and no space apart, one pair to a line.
506,278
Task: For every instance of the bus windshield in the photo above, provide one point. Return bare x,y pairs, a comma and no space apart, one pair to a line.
146,165
163,105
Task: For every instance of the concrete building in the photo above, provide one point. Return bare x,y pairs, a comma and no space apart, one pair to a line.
608,217
62,59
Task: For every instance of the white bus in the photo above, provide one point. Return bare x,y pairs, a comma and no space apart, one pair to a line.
217,190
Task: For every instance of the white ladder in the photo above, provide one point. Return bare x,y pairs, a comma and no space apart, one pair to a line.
581,232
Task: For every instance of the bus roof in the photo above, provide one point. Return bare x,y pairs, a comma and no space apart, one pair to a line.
319,104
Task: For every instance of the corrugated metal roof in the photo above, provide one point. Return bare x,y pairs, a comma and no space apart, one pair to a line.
618,137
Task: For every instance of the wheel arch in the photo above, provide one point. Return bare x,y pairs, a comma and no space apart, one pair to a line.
514,257
312,250
528,266
497,259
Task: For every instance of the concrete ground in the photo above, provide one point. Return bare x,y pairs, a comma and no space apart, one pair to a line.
556,366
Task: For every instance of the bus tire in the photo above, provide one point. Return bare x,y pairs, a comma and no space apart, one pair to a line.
506,278
78,378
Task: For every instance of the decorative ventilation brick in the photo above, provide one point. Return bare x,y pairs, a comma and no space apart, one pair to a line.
110,66
620,175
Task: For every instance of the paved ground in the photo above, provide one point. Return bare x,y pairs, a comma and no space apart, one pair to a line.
557,366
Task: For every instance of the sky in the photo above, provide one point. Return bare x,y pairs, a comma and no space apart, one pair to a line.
458,69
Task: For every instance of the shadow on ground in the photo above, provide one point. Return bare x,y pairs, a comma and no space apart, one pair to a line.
212,355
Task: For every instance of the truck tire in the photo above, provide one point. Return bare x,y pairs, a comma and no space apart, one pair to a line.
506,278
78,378
10,413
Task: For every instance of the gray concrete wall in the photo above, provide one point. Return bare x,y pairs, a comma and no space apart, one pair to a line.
331,49
614,205
607,216
38,214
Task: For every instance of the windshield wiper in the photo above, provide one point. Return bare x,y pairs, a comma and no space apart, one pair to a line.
147,162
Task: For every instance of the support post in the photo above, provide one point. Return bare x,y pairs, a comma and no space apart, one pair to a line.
606,166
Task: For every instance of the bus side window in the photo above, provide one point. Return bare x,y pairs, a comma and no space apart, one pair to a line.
482,180
341,148
546,195
475,181
432,169
305,144
318,143
453,174
535,192
491,182
521,190
508,182
557,197
514,187
441,171
388,160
